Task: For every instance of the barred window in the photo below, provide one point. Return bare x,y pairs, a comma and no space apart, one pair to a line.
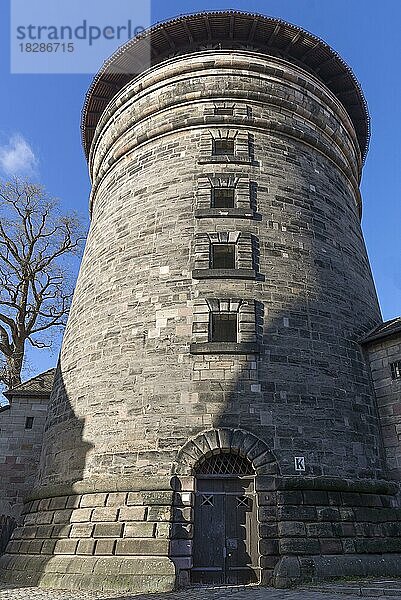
224,327
223,197
223,146
222,256
396,369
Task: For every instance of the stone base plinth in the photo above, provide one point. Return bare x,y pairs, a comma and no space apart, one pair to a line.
116,535
121,574
294,570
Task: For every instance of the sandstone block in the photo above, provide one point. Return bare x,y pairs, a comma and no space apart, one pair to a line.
142,547
105,547
132,513
59,502
80,515
86,546
116,499
159,513
81,530
139,530
106,530
65,546
92,500
108,513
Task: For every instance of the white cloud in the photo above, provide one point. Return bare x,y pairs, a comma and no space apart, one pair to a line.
17,157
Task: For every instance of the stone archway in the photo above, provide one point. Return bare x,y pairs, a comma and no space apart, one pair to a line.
235,441
231,490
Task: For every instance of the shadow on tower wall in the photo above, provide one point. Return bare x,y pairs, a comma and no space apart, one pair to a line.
45,523
306,394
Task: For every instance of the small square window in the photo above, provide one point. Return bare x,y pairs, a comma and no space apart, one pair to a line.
396,369
29,423
222,256
224,327
223,146
223,110
223,197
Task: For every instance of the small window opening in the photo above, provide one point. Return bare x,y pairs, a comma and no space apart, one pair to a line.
223,197
223,146
224,327
224,110
29,423
222,256
396,369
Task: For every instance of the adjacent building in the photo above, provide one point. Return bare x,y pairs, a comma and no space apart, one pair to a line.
22,423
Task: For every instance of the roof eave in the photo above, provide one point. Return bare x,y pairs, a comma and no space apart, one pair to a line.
360,119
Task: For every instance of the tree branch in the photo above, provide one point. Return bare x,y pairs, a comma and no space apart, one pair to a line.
35,241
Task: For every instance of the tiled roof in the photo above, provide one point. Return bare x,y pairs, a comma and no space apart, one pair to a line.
40,385
386,329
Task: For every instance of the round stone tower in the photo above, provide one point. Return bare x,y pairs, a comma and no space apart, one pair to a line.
211,387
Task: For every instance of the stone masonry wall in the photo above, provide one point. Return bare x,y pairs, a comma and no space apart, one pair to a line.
145,537
19,457
130,391
333,519
92,528
388,393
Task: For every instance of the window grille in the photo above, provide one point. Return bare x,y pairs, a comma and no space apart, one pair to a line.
225,464
224,327
223,197
222,256
223,146
396,369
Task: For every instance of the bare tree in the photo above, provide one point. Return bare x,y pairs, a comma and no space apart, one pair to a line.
36,244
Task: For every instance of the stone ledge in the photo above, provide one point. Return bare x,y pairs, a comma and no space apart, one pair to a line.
232,213
368,486
224,274
106,485
224,348
226,158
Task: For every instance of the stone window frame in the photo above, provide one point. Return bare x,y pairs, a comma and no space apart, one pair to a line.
243,146
250,326
395,368
247,255
245,196
239,111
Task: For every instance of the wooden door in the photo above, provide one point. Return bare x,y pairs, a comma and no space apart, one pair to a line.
225,549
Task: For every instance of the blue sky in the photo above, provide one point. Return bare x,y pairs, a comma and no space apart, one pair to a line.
40,119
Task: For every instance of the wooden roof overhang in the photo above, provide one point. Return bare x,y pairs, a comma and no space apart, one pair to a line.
226,30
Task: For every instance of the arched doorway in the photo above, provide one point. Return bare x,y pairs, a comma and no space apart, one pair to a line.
225,545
